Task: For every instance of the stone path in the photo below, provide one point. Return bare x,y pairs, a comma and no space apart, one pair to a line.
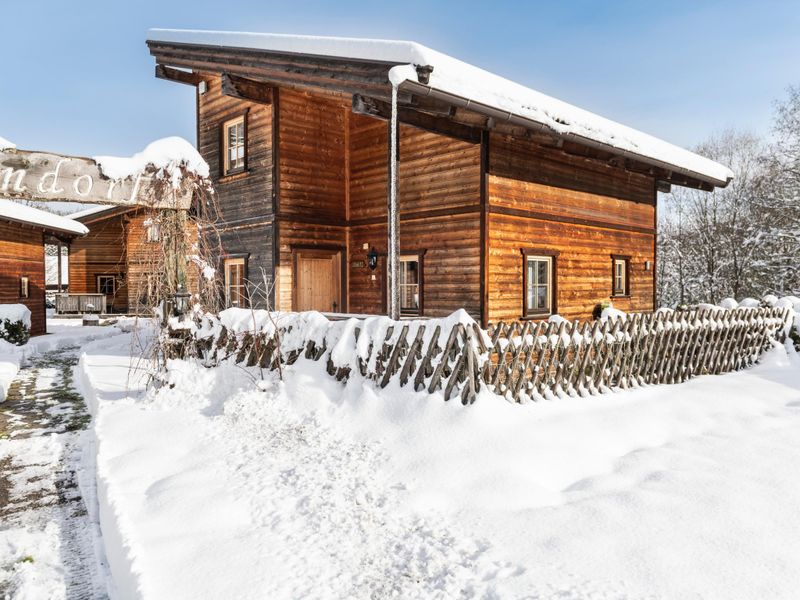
47,539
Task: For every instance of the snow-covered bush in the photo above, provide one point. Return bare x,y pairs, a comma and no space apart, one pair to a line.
15,323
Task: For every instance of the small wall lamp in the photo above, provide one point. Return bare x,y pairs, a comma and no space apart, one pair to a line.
372,259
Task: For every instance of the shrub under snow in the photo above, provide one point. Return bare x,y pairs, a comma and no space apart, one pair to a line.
15,323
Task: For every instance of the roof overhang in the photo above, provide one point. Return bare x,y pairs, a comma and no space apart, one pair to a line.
365,67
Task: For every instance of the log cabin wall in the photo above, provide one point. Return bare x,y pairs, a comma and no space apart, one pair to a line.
100,252
142,256
22,255
583,209
245,200
312,197
439,201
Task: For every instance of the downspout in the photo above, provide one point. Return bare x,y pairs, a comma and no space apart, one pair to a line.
397,75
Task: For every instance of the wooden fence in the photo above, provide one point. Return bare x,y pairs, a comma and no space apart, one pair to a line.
521,361
80,303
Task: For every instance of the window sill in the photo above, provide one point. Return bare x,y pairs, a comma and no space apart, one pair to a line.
234,175
536,317
620,296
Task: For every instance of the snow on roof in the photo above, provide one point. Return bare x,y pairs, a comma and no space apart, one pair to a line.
166,153
6,145
88,212
21,213
457,78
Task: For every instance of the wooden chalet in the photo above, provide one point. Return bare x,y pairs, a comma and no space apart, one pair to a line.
115,260
24,230
510,204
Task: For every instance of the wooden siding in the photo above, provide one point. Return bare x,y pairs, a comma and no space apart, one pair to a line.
582,209
439,202
100,252
312,156
22,254
245,200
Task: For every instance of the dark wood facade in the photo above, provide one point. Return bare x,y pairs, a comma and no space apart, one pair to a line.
22,255
474,196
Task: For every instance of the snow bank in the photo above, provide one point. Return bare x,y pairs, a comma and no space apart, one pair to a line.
6,145
479,87
21,213
168,156
10,360
213,486
14,313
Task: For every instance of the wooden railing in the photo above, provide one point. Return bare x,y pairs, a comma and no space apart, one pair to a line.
80,303
520,361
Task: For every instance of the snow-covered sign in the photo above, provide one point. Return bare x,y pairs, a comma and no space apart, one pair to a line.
164,175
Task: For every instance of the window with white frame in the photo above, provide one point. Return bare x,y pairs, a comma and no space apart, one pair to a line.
24,287
234,150
620,276
410,284
153,232
538,276
235,282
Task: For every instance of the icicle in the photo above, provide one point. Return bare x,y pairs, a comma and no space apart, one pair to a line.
394,244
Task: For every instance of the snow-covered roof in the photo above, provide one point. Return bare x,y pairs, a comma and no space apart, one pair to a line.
455,78
21,213
88,212
6,145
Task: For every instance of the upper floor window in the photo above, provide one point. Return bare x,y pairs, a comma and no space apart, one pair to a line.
538,275
234,142
410,284
235,282
619,275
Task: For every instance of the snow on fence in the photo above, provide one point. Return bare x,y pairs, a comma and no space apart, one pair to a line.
521,361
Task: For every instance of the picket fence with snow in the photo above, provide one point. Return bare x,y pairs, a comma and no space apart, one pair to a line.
521,361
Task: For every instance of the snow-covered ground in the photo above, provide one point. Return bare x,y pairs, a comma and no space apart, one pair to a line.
50,544
211,487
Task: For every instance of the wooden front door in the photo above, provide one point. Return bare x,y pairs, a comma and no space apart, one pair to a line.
318,280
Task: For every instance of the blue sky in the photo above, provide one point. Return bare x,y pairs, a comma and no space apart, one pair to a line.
77,76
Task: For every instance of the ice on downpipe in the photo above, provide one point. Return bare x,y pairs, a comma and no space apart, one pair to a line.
397,75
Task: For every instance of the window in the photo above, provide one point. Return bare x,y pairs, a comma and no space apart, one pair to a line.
24,287
234,146
410,284
538,276
619,274
153,232
106,284
235,278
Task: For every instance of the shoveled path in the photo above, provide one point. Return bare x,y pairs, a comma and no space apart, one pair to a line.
47,539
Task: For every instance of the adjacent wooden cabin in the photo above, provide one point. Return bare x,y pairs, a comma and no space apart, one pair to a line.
512,205
117,258
24,230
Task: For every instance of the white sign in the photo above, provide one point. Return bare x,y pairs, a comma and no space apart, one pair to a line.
42,176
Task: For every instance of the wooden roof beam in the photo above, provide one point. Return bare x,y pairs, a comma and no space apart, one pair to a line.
373,107
246,89
177,75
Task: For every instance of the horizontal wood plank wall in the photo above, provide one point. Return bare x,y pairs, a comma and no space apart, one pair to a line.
244,200
439,201
312,155
312,196
22,254
142,256
582,208
100,252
